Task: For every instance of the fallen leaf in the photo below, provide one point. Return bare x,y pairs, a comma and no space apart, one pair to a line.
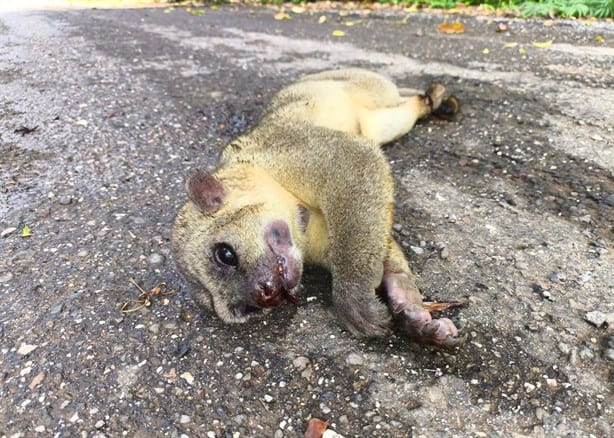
297,9
36,380
456,27
485,52
510,45
196,12
349,23
522,50
81,123
338,33
25,231
168,10
440,307
25,349
322,19
599,39
542,45
281,16
315,428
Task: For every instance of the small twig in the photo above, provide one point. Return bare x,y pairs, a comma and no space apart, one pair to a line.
145,297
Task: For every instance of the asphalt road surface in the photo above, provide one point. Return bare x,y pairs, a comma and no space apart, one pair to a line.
509,208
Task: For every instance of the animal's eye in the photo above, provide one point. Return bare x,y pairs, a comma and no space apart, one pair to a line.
224,255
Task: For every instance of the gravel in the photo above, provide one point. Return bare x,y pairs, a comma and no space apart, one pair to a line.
516,192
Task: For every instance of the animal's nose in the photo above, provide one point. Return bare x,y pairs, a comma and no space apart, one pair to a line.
267,294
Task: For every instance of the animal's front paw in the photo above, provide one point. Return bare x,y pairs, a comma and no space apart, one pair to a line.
450,106
367,318
426,330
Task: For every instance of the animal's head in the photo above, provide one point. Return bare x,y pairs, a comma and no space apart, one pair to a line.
236,238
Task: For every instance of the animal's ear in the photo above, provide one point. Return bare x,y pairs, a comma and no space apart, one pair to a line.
206,191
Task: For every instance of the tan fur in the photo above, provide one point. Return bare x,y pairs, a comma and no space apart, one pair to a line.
317,147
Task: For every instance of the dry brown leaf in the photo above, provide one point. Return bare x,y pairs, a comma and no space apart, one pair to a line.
439,307
315,428
456,27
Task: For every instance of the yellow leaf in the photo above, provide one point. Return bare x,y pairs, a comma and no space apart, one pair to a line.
485,51
322,19
25,231
599,39
297,9
456,27
522,50
338,33
281,16
349,23
510,45
542,45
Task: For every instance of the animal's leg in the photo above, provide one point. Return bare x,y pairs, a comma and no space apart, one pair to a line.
384,125
409,92
405,304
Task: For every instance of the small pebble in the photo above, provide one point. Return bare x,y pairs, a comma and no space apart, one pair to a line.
65,200
586,354
325,409
155,259
268,398
6,277
39,429
184,419
444,253
7,231
417,249
586,219
596,318
354,359
99,424
26,349
188,377
154,328
397,227
300,363
564,348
